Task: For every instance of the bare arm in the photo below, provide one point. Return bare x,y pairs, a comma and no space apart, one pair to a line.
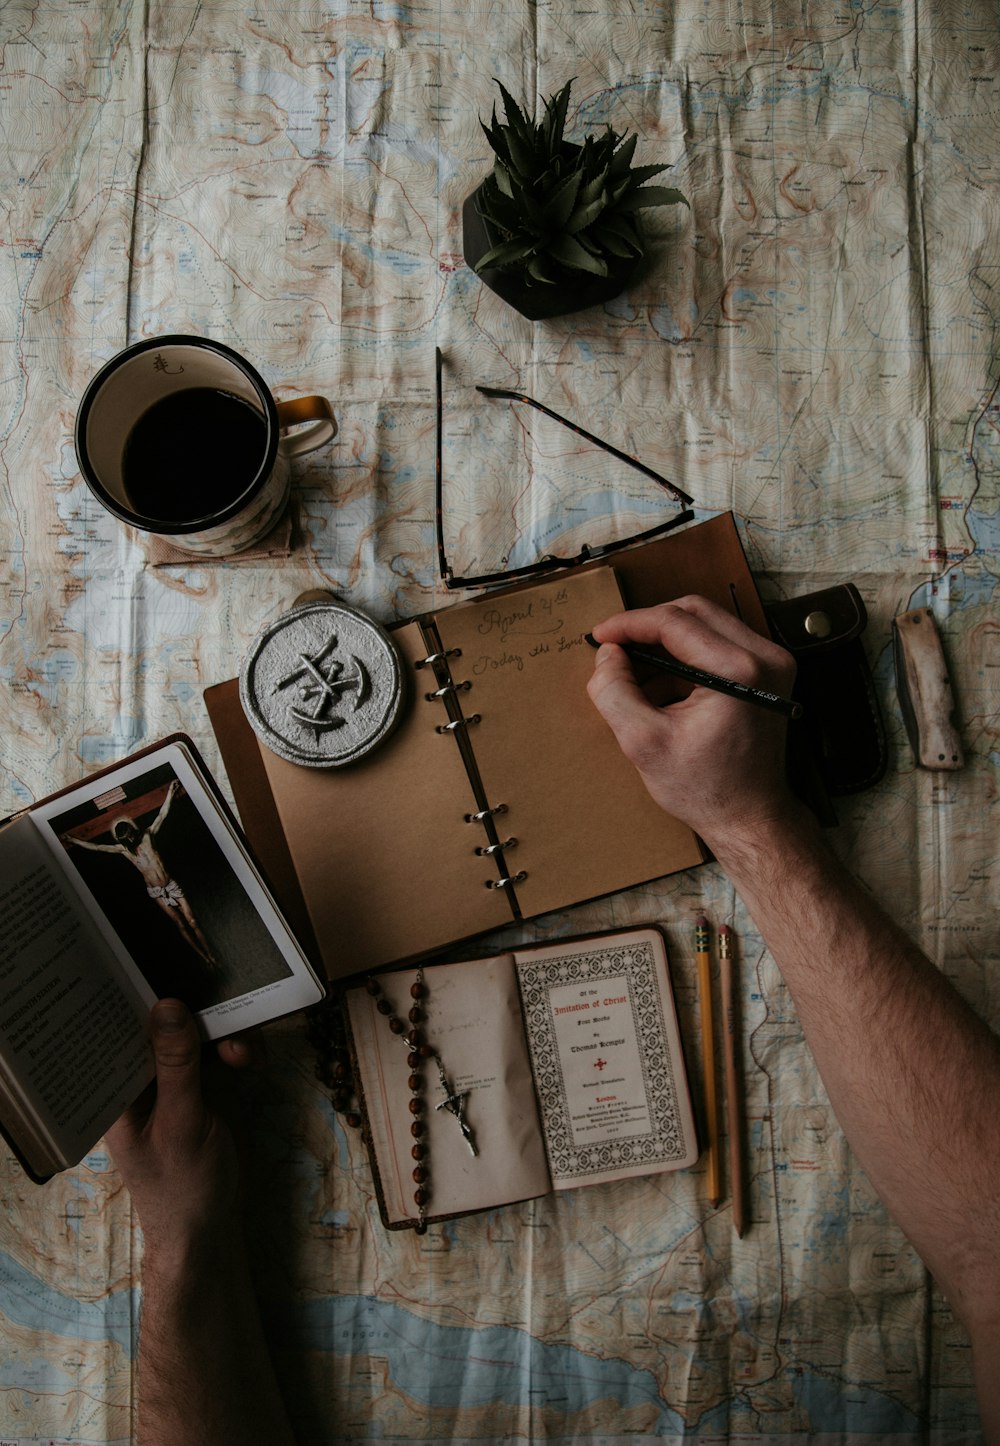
204,1370
82,843
164,808
912,1073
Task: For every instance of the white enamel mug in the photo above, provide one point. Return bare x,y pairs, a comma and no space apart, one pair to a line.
179,436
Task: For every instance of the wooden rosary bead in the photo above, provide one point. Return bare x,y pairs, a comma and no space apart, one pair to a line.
419,1050
353,1119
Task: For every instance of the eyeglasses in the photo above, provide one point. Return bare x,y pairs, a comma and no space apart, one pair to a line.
549,562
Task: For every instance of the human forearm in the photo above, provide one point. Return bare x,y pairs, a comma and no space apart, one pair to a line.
912,1074
204,1369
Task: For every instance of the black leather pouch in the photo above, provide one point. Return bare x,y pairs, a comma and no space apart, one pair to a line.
840,737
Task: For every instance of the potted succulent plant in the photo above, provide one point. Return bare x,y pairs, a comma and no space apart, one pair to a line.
555,227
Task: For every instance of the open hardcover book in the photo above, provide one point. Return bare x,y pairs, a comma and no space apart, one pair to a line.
566,1063
130,886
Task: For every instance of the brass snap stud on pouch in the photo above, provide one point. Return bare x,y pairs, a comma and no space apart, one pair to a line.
322,686
818,624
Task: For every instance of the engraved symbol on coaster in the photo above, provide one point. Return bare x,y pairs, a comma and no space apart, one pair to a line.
319,692
322,686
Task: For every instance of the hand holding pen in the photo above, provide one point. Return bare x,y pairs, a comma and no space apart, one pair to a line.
710,759
699,678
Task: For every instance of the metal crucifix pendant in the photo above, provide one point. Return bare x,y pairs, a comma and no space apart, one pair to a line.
454,1103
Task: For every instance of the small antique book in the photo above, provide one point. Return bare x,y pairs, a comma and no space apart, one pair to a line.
130,886
554,1066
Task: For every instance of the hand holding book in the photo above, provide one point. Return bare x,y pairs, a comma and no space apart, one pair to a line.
131,885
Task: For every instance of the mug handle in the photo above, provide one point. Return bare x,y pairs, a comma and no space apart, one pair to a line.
316,410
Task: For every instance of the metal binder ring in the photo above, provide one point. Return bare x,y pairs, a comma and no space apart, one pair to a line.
506,883
485,813
447,688
433,658
496,848
457,723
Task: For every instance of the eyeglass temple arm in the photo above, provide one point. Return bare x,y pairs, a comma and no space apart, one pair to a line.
444,568
597,441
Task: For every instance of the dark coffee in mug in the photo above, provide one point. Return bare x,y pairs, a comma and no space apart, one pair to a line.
193,453
179,437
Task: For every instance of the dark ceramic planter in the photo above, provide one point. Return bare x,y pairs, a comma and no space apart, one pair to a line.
535,301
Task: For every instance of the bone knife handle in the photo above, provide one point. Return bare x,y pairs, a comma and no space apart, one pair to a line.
925,693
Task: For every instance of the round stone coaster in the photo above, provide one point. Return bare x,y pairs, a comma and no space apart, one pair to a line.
322,685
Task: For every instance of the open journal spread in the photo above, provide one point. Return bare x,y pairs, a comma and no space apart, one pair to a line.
533,757
502,793
568,1060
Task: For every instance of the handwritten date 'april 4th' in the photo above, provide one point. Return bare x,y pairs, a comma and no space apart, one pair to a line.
537,626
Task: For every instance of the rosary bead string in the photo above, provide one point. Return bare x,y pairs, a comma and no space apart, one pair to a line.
415,1083
327,1033
418,1052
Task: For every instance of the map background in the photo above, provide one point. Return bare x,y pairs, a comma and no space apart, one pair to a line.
813,345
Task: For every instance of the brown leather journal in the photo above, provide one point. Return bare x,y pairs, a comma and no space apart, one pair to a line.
526,806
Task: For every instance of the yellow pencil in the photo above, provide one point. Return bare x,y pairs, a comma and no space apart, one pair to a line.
708,1057
734,1102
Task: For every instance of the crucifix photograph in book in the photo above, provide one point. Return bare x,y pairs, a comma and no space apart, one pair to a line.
149,860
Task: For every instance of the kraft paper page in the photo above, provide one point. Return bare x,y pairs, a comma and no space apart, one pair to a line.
474,1021
583,821
384,857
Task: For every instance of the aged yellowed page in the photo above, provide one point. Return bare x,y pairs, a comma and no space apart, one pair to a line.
474,1022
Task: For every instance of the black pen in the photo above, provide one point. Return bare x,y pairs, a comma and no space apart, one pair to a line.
760,696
